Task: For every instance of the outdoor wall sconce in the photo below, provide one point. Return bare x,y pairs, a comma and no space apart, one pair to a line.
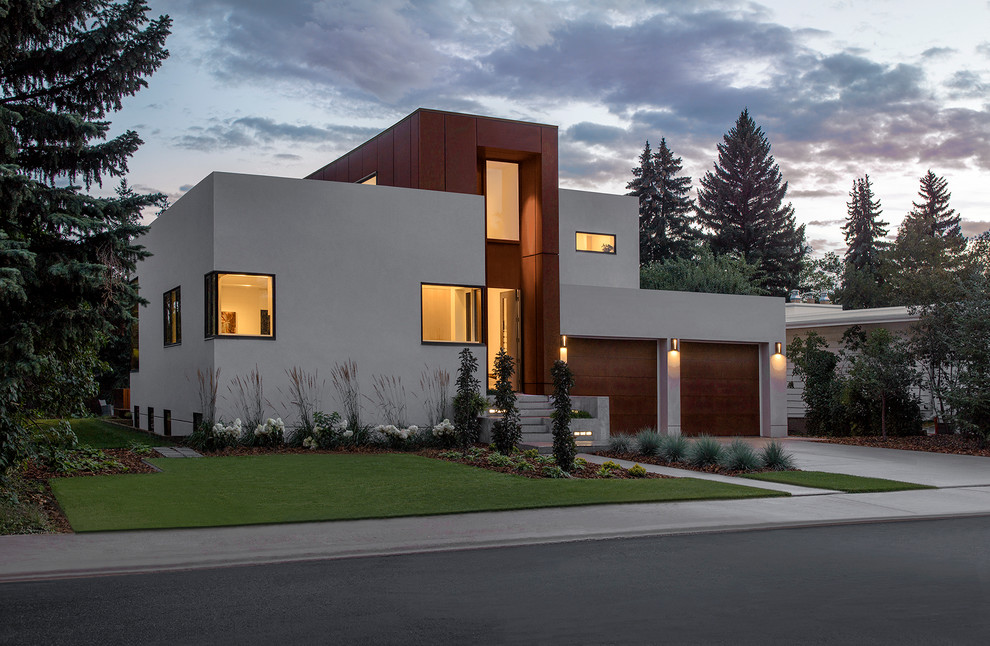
563,348
675,345
777,348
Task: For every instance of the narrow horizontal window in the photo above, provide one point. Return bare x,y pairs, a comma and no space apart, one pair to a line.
595,242
240,305
172,316
451,314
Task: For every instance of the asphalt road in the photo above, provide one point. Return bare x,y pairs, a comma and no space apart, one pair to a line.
919,582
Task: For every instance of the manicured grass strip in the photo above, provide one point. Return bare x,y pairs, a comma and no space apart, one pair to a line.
837,481
98,434
206,492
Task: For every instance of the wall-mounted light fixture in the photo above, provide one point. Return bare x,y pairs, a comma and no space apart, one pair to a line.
675,345
563,348
777,347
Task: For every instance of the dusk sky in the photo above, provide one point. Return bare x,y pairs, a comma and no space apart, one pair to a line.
841,88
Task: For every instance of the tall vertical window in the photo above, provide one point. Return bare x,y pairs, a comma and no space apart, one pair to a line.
502,200
135,332
451,314
172,317
240,305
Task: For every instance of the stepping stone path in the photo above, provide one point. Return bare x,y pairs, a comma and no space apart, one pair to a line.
176,452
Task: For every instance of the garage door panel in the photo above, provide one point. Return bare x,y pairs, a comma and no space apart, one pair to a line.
625,371
720,389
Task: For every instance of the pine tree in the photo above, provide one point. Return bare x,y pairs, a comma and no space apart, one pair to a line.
665,231
65,255
740,205
863,278
929,251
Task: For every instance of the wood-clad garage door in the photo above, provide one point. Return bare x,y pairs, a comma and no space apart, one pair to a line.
624,371
720,389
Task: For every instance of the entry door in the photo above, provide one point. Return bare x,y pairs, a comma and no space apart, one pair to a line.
505,330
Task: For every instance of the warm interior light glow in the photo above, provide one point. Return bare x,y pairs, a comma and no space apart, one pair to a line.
451,313
563,355
502,200
596,242
504,330
244,305
370,181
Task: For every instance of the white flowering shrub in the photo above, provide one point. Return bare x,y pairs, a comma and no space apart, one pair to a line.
394,436
217,437
445,432
328,432
271,433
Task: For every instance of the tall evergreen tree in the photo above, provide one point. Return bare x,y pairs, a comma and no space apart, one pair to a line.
740,204
929,251
863,278
665,231
65,255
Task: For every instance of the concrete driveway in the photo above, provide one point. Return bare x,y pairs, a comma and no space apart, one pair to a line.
936,469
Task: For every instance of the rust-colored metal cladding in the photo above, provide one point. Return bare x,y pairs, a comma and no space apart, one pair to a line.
445,151
623,370
385,166
720,389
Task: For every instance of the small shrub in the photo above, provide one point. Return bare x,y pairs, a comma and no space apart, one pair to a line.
531,453
451,455
636,471
773,457
740,456
620,444
270,434
648,442
475,452
580,414
328,432
395,437
50,441
602,472
610,466
217,437
523,465
445,433
674,448
546,459
498,460
553,471
580,463
705,452
139,449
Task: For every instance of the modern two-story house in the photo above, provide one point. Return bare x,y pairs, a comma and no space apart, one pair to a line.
444,231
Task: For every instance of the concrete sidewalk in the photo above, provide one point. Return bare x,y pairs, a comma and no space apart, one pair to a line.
28,557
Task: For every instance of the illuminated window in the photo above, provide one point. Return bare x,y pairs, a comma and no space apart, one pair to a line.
595,242
240,305
371,181
172,317
502,200
451,314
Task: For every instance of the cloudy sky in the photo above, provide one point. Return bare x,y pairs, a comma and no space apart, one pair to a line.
840,87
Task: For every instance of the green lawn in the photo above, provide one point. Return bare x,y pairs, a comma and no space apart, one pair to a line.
99,434
837,481
203,492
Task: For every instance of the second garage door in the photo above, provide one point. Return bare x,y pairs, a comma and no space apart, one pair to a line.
720,389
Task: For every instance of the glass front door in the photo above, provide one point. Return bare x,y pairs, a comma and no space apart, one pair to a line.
504,331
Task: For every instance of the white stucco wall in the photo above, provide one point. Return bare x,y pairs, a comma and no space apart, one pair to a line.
348,261
599,213
181,244
627,313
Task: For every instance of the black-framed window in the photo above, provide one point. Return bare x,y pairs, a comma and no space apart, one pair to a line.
451,313
240,305
172,316
370,180
594,242
135,332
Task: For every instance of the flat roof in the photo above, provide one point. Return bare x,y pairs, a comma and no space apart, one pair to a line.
801,315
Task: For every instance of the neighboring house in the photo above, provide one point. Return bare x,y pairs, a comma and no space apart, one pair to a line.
464,240
831,322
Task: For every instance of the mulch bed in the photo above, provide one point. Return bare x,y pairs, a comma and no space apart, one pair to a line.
716,469
588,472
957,444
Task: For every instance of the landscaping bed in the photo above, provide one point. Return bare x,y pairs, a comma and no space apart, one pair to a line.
717,469
956,444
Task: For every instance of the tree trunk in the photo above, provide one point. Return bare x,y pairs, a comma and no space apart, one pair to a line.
883,415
